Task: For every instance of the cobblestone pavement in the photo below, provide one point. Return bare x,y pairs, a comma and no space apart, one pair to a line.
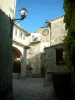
32,89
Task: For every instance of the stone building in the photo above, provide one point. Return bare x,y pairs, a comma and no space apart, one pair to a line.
54,57
33,53
47,37
21,39
7,12
50,36
39,40
34,56
58,31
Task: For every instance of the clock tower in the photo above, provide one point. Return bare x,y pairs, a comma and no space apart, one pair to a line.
44,36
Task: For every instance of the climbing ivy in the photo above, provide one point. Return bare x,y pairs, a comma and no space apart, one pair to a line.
69,41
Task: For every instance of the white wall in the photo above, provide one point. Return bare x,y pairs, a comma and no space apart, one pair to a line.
8,6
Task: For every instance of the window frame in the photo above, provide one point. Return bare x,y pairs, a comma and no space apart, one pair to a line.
20,34
60,59
15,32
23,36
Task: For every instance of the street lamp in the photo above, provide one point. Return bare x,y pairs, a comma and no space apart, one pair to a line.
23,13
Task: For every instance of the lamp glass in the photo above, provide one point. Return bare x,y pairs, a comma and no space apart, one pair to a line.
23,12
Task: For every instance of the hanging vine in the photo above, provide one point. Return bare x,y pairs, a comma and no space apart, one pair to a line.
69,41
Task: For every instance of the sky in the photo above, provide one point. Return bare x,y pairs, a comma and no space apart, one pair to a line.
38,12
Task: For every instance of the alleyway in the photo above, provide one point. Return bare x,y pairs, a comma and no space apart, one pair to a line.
31,89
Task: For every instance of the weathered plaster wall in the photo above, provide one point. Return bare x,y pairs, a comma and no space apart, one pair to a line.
6,8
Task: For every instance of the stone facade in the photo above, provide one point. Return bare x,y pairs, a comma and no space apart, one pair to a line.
50,59
6,8
51,56
57,34
44,38
47,37
34,57
37,46
58,31
21,38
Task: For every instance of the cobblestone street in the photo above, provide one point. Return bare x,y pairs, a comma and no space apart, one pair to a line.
32,89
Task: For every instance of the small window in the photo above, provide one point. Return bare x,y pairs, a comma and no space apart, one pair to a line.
15,31
20,34
60,57
23,37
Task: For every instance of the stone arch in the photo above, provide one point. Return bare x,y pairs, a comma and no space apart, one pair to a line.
16,53
20,48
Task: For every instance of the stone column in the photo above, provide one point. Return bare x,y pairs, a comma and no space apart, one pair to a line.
24,62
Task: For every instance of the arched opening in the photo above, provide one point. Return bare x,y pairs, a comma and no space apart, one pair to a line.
16,53
16,58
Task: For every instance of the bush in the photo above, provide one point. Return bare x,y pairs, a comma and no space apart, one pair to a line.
69,41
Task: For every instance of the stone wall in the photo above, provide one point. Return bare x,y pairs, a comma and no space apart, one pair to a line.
58,31
33,55
50,62
44,38
57,35
23,63
50,57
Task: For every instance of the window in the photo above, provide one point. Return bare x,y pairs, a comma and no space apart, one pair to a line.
15,31
60,57
20,34
23,37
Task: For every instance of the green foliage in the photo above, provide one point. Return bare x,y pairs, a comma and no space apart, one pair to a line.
69,41
16,62
16,66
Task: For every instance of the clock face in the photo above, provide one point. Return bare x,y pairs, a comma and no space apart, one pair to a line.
45,32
